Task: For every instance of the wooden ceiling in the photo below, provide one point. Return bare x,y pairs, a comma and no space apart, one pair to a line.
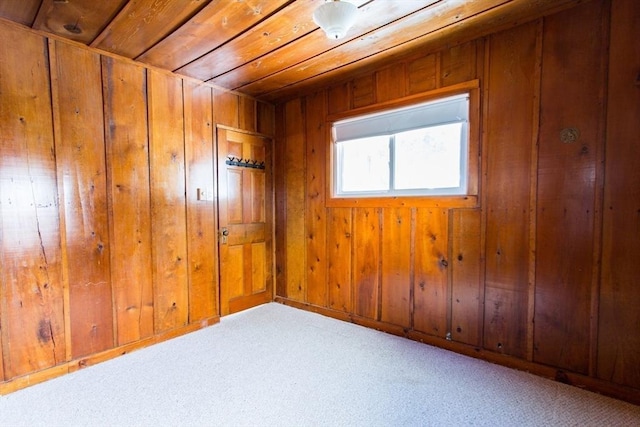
270,49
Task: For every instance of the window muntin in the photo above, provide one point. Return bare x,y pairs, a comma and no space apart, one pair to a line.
420,150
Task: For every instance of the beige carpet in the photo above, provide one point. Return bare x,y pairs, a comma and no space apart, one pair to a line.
278,366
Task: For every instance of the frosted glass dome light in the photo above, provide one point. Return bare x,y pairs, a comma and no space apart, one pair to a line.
335,17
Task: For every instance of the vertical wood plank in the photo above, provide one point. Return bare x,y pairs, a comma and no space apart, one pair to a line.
280,190
316,213
390,82
339,231
566,185
227,108
618,340
508,132
339,98
81,163
32,317
296,199
247,114
363,91
366,261
421,74
458,64
201,210
269,218
533,188
466,285
168,216
396,266
266,118
125,116
431,275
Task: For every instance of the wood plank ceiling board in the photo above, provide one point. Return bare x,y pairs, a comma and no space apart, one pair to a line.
371,16
23,12
508,14
79,20
271,49
214,25
287,25
437,16
143,23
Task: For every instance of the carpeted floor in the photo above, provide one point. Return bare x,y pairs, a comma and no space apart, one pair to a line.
277,366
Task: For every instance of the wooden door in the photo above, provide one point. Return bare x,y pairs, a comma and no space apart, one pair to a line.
245,216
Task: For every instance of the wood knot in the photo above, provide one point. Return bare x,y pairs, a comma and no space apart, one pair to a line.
569,135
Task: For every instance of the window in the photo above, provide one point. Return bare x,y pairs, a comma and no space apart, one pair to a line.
417,150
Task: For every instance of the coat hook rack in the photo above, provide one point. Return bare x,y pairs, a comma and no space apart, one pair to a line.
244,163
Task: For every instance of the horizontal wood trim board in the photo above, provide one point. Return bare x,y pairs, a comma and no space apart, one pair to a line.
19,383
581,381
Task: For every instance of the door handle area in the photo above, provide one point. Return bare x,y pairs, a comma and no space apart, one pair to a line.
224,233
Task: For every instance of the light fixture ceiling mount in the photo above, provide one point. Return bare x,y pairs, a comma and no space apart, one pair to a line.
335,17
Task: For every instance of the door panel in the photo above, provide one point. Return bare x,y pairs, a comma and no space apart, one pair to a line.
245,204
259,257
234,194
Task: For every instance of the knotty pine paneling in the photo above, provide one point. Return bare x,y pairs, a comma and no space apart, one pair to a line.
81,163
339,241
618,356
458,64
467,290
364,91
294,176
339,98
167,187
32,290
431,272
101,230
247,116
366,261
422,74
567,178
316,218
140,25
395,289
265,115
390,83
280,202
531,251
508,133
227,106
127,154
201,211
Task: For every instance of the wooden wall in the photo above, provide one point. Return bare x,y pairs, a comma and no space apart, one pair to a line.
104,246
542,274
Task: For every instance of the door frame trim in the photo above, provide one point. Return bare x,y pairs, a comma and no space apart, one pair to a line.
269,212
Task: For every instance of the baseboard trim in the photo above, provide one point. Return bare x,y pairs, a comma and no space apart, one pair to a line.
595,385
24,381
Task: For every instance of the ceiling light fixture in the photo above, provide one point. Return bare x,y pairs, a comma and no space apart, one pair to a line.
335,17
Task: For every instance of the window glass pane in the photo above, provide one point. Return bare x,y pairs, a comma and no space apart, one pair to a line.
428,158
364,165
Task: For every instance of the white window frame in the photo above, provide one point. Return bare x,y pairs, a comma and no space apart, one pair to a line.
466,198
388,124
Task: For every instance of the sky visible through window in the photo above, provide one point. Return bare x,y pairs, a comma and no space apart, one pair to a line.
427,158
